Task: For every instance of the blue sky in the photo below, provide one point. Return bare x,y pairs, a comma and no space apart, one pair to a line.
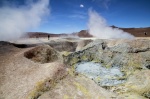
67,16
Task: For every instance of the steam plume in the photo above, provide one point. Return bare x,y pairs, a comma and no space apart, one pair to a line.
97,27
15,21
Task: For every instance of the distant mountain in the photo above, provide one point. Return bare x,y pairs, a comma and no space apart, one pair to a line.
84,33
43,34
137,32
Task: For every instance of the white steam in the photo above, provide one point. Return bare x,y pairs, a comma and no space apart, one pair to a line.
15,21
98,27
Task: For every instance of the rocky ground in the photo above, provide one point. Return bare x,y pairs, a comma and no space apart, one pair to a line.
75,68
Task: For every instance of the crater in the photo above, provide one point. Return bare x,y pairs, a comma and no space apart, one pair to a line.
42,54
63,46
148,66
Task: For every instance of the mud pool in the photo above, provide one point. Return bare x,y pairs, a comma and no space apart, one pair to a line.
101,75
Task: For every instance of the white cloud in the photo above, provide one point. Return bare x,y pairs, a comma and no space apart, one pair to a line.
81,6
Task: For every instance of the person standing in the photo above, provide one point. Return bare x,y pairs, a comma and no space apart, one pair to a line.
48,37
145,33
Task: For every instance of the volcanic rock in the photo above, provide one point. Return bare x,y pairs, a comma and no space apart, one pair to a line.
63,45
82,44
42,54
127,56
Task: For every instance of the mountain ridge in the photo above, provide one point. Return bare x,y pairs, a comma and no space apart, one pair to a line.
137,32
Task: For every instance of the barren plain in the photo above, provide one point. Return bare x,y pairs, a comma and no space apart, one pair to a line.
38,68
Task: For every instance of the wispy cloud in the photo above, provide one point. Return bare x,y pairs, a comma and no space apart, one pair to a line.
106,3
78,14
103,3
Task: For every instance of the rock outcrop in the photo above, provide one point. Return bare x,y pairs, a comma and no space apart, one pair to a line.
128,56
